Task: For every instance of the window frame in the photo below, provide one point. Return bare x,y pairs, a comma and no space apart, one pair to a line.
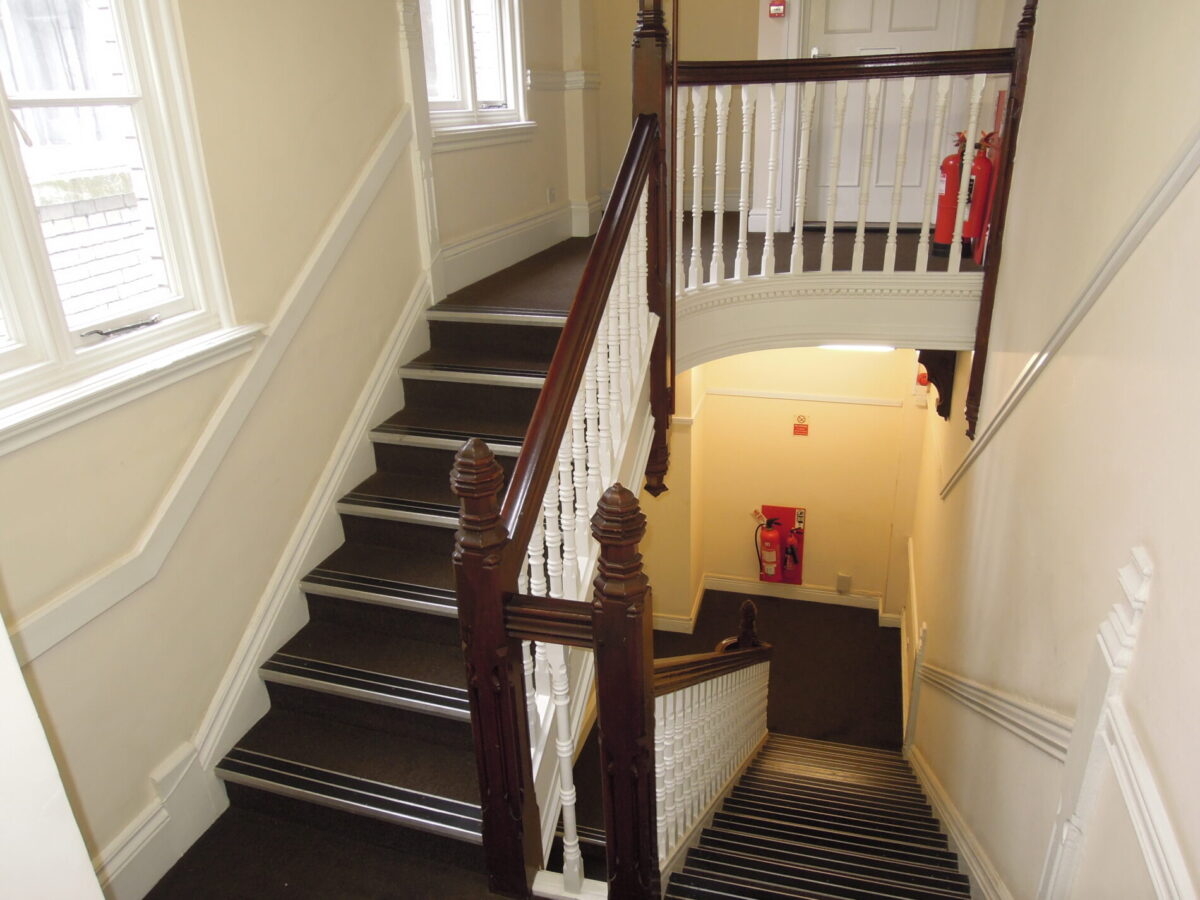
465,114
51,367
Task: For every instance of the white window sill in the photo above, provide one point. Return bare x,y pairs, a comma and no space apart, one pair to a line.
38,417
449,138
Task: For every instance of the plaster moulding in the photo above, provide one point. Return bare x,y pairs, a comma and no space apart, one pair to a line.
51,623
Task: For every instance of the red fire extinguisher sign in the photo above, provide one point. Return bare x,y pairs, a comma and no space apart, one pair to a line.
777,9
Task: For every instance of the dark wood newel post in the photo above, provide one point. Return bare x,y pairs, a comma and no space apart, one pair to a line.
624,651
991,271
650,59
495,685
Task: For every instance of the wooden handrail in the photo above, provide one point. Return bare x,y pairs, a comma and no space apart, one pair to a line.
550,620
523,500
678,672
839,68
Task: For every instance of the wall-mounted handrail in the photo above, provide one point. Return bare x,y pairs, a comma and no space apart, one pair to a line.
996,61
522,501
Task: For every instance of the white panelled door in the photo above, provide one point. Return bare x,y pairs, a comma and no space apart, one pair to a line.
863,27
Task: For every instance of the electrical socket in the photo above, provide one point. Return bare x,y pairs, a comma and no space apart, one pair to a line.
551,195
843,583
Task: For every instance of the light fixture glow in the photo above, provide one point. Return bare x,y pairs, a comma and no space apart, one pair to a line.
860,348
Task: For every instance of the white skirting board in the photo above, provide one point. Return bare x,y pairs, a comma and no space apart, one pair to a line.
984,877
681,624
485,252
736,584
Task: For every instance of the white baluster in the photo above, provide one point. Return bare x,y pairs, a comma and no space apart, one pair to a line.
530,691
864,173
681,112
941,101
523,576
591,415
579,466
716,272
603,403
671,811
642,293
625,328
699,111
564,745
835,164
660,775
806,118
616,407
741,266
567,523
775,94
537,559
541,670
978,82
907,89
680,766
554,537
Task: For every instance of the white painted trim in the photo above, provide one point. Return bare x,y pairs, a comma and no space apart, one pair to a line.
241,698
453,138
985,877
585,216
808,398
51,623
738,585
913,709
550,885
681,624
186,803
1043,728
1156,835
39,417
1128,239
552,80
474,257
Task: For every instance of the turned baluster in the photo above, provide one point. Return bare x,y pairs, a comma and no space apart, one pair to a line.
806,118
864,173
717,270
940,103
907,89
835,164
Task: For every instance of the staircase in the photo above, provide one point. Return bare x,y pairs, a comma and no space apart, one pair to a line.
369,729
819,820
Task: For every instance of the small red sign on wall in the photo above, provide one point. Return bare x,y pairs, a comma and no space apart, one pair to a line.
777,9
800,430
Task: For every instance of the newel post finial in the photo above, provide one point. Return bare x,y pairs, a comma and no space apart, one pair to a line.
748,632
495,679
624,655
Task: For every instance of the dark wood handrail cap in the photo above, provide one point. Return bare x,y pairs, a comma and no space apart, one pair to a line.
618,520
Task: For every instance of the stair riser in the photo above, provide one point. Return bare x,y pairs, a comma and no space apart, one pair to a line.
816,802
399,535
899,792
884,770
924,829
837,790
537,341
703,887
867,830
769,857
838,840
489,400
364,714
848,886
794,743
375,617
400,458
865,779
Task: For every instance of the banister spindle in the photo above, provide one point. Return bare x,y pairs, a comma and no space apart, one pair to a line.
835,164
717,270
579,474
530,689
566,510
621,624
864,173
941,101
775,97
564,746
806,117
741,266
554,536
699,112
499,725
978,82
591,416
907,89
682,95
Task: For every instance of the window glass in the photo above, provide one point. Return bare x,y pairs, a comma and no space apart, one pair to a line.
61,46
89,185
487,41
437,29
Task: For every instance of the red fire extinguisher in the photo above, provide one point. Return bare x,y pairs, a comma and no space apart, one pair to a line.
947,207
980,246
768,543
978,193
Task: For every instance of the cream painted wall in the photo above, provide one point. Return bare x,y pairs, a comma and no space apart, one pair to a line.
291,101
846,473
1111,863
1016,568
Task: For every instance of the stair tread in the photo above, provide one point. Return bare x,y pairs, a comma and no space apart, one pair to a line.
778,739
418,488
450,421
436,768
545,282
415,566
503,359
378,652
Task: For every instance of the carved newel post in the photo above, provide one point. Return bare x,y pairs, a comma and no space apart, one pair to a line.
624,650
748,630
495,687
